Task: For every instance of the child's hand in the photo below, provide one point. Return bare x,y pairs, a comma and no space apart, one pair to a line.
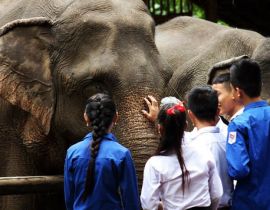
152,107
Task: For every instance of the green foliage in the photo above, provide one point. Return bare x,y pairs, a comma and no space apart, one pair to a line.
198,12
221,22
184,7
169,6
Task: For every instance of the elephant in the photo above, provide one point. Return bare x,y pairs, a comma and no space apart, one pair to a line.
193,46
54,55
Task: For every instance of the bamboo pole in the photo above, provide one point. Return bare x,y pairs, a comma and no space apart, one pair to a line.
30,184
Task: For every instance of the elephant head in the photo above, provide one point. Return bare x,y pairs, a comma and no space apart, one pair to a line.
193,46
56,54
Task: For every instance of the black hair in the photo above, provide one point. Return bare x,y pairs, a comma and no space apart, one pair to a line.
223,79
203,102
172,138
100,109
246,75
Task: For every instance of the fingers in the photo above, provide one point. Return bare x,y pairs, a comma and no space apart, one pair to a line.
153,100
147,102
153,108
146,114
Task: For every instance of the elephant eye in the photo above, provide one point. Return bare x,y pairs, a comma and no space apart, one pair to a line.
94,88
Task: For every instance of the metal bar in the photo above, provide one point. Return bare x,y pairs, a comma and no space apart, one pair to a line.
30,184
161,6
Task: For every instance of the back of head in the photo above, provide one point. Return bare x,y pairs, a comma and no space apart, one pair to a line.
173,120
169,100
203,102
100,109
223,79
246,75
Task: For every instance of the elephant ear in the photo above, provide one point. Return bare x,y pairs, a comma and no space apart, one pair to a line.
222,67
25,73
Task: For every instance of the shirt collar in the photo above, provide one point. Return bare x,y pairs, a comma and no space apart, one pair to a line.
208,129
108,136
256,104
240,111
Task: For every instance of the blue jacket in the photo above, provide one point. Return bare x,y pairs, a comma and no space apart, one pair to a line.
248,156
114,172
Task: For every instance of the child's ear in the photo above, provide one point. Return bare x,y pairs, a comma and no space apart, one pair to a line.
218,110
239,92
115,118
236,96
186,125
191,116
86,119
160,129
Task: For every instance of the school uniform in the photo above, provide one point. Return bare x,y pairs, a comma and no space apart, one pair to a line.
223,127
163,181
239,112
248,155
114,171
211,138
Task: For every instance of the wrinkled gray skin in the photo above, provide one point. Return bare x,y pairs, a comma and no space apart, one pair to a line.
48,68
192,46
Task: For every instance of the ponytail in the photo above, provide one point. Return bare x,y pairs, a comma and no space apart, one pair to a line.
173,119
100,109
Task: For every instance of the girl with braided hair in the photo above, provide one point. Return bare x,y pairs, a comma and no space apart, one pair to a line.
179,176
99,173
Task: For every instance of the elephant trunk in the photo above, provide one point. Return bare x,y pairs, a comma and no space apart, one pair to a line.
133,130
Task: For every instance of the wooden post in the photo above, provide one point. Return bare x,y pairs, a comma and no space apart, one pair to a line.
30,184
174,7
161,6
153,6
211,10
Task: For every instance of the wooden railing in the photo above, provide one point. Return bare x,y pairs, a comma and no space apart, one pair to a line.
30,184
163,10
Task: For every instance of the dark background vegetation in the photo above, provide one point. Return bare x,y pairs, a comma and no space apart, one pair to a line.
247,14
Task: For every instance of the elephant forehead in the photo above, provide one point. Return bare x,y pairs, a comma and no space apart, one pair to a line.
128,11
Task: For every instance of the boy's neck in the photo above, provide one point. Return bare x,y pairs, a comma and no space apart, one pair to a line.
236,109
247,100
202,124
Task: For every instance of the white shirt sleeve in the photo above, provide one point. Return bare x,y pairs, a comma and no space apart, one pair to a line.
215,186
150,188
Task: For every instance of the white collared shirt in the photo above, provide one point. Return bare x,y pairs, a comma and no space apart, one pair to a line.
223,128
163,181
214,140
240,111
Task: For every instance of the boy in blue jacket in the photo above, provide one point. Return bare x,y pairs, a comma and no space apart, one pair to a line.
248,142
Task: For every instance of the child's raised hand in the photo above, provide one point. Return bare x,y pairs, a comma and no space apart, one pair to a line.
153,108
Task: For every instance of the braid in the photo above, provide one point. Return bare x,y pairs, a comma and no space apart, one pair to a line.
100,109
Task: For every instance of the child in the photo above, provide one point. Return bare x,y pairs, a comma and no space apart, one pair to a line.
248,143
203,112
99,172
227,103
182,177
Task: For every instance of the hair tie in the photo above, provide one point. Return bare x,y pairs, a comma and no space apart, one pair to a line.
179,107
